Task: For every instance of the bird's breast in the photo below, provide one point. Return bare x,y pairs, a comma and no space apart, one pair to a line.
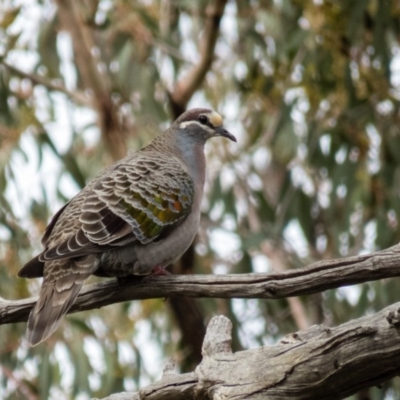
167,250
141,259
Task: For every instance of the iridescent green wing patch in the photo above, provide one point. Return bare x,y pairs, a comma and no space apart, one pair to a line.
145,196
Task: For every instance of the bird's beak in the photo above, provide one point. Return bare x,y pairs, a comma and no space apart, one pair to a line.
220,131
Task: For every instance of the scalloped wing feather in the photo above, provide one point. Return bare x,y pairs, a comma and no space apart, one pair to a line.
138,200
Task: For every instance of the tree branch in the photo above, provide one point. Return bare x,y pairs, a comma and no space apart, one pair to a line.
185,88
193,330
93,78
320,276
76,96
279,261
318,363
83,46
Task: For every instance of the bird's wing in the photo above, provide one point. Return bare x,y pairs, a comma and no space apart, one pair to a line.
139,201
34,267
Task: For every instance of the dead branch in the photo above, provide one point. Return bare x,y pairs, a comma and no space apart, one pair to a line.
318,363
320,276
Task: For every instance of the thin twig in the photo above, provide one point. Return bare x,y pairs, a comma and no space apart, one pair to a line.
22,387
76,96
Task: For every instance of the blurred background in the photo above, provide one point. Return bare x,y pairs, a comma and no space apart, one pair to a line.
310,88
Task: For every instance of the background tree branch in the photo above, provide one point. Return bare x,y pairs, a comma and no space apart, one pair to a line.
56,86
317,277
93,77
317,363
186,87
187,311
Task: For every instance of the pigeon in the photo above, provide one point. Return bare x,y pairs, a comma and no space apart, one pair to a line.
135,218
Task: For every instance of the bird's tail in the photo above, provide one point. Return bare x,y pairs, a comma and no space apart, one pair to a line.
60,288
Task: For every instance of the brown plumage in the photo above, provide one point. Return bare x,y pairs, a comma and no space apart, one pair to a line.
139,214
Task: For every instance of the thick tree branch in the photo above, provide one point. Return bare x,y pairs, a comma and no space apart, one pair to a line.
318,363
188,315
193,330
185,88
320,276
279,261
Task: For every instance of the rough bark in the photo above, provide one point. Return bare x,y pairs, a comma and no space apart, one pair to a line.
318,363
317,277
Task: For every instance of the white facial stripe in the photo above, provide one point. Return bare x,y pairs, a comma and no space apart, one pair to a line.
183,125
215,119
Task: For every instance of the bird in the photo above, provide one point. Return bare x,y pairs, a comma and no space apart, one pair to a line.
135,218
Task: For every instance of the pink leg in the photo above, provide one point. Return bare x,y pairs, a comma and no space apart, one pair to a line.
156,271
159,271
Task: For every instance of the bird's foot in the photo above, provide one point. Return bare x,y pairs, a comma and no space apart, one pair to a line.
157,271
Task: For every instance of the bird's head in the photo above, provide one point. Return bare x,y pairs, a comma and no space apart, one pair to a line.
201,124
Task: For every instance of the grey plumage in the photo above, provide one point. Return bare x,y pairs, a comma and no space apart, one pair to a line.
139,214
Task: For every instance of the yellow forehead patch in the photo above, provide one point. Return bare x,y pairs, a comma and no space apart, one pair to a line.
215,119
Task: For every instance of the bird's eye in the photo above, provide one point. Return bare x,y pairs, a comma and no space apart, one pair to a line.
203,119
